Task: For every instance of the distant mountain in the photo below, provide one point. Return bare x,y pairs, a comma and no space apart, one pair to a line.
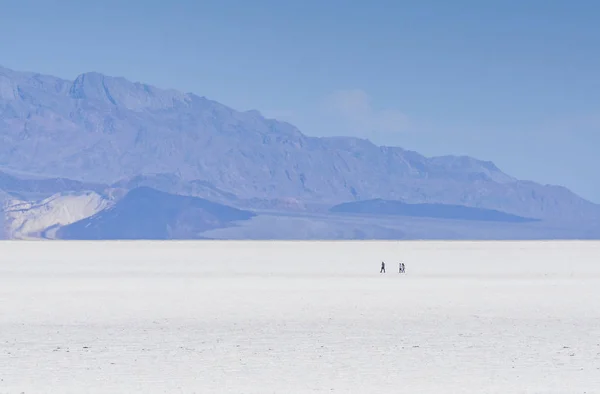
145,213
437,211
106,130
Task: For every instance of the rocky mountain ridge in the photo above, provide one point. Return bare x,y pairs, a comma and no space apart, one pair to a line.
106,130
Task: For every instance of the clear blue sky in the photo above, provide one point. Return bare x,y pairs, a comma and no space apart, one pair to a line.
515,82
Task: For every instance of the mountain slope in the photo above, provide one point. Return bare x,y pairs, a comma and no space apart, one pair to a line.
39,188
437,211
145,213
102,129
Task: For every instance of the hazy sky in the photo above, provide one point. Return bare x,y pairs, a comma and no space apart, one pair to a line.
515,82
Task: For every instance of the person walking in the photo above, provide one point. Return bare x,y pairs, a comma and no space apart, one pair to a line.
382,268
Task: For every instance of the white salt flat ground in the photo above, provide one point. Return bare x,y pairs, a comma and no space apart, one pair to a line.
299,317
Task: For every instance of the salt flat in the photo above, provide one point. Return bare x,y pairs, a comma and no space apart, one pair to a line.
299,317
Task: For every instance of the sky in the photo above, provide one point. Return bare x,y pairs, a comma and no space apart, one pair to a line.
514,82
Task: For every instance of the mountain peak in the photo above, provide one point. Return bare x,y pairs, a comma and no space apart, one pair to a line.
91,86
120,92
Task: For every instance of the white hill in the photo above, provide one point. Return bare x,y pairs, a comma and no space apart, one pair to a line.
37,219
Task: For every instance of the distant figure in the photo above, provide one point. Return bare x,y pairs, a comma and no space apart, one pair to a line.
382,268
403,268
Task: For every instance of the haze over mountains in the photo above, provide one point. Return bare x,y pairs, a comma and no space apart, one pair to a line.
109,136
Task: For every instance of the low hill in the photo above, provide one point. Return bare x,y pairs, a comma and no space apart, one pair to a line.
436,211
146,213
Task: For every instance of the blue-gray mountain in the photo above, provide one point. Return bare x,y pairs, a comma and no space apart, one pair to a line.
145,213
100,129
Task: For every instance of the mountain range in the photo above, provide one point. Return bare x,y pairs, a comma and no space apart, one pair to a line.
110,136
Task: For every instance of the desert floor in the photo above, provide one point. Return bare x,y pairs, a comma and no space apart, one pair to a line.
299,317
